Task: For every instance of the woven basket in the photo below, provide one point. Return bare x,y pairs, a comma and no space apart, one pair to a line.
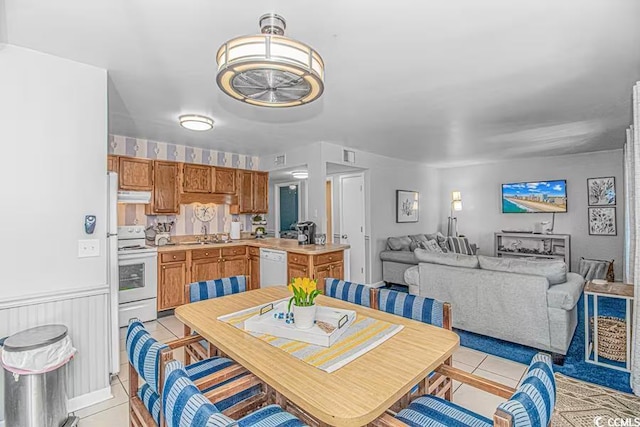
612,338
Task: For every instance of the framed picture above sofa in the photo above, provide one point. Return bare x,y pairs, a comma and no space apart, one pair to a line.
407,206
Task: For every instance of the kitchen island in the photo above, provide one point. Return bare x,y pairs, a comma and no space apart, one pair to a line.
187,262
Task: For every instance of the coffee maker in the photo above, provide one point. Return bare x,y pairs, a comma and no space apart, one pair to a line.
306,232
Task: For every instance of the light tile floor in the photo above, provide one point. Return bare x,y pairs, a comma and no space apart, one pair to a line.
114,412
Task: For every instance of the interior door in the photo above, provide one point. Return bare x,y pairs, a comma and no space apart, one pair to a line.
352,225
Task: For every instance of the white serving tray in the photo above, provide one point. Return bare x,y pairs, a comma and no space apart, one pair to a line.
266,323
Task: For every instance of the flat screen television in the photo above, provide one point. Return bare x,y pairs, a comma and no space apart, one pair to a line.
534,197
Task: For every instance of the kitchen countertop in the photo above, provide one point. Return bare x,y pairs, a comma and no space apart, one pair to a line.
287,245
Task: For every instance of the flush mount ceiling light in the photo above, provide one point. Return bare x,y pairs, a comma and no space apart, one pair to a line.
195,122
301,174
268,69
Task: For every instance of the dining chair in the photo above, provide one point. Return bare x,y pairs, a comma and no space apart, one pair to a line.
147,358
426,310
200,291
530,405
349,291
184,405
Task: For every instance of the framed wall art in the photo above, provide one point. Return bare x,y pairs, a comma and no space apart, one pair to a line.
602,191
407,206
602,222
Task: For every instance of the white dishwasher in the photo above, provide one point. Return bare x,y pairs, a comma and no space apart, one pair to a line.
273,268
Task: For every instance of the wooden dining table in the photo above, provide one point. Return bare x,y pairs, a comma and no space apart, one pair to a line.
353,395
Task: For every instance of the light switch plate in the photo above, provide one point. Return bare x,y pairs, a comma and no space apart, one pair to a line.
88,248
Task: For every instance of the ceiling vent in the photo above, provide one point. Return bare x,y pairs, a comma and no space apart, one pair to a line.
280,160
348,156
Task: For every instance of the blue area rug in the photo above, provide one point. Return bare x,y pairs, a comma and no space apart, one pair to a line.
574,365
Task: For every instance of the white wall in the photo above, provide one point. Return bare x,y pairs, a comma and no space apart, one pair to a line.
482,214
53,128
383,176
53,125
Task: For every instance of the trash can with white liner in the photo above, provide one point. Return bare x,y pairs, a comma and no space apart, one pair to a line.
35,377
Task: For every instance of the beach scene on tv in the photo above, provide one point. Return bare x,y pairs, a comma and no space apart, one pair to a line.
532,197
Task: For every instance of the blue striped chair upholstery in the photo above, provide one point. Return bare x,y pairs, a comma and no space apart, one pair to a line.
533,402
531,405
200,291
186,406
144,355
425,310
432,411
348,291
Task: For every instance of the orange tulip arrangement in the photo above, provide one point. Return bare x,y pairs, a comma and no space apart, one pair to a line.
304,292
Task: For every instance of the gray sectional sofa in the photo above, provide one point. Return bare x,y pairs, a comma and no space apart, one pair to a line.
399,256
528,302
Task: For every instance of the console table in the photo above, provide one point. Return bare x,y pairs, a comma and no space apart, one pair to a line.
545,246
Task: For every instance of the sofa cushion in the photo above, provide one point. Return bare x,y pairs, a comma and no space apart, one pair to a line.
555,271
412,276
441,239
431,246
459,245
400,243
405,257
566,295
450,259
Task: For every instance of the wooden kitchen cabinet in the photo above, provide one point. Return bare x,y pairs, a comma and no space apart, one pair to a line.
171,280
135,174
294,271
317,267
112,163
260,192
253,191
197,178
224,180
165,197
205,265
254,268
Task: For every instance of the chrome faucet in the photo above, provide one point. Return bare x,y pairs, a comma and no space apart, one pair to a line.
203,230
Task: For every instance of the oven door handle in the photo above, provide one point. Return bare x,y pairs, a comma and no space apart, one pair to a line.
128,257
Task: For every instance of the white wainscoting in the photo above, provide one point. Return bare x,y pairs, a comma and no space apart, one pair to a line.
86,315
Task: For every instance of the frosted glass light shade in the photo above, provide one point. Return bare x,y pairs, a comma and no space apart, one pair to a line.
456,195
457,205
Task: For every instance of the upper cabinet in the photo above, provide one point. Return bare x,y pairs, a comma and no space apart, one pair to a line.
260,192
172,184
165,198
112,163
135,174
224,180
253,191
197,178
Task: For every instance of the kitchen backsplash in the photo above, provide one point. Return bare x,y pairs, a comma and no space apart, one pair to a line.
186,222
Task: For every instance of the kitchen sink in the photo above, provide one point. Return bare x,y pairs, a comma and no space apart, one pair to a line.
198,243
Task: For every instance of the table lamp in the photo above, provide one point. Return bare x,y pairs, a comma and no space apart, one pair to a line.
456,206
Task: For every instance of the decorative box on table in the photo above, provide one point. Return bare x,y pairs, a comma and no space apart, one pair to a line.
330,324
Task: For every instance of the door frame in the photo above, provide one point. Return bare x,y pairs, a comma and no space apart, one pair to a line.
276,199
364,220
333,209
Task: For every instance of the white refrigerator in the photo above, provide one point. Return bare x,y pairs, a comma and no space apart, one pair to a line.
113,273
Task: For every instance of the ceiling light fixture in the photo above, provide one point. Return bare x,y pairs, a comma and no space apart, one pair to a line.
301,174
268,69
195,122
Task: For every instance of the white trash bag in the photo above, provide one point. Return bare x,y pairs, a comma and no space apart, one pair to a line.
39,360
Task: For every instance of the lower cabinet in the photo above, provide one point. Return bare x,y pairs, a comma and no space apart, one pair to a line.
171,280
317,267
254,269
205,265
234,266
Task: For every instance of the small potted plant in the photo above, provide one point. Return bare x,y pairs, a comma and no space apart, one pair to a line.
304,307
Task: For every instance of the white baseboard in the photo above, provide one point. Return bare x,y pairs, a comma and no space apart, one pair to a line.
88,399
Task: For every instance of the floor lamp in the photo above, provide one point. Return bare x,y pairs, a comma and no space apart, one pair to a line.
456,206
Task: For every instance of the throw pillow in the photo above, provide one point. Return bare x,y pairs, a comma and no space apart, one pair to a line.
431,246
555,271
400,243
416,239
450,259
459,245
441,239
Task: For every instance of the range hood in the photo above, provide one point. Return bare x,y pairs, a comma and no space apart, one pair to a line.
134,197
